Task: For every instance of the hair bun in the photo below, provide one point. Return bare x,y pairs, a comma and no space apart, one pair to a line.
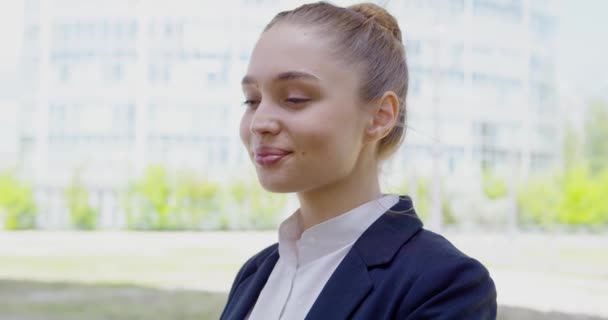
380,16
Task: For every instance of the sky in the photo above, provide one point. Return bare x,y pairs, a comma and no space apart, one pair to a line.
582,44
11,15
583,47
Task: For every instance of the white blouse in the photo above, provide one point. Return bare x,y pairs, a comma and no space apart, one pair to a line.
307,260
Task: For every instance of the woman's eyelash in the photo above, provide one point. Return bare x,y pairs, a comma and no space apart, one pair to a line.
297,100
251,102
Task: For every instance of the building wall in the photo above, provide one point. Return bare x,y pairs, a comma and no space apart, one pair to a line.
112,86
496,84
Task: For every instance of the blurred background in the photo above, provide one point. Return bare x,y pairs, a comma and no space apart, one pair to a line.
119,120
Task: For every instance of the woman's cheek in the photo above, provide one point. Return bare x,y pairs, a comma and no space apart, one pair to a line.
244,129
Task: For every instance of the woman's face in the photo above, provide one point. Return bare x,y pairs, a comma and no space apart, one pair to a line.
303,126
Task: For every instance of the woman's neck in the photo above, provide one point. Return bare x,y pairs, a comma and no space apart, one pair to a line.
334,199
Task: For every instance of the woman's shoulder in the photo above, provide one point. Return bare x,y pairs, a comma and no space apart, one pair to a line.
428,251
443,280
252,263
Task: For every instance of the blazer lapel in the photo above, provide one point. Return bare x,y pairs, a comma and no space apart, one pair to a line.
345,289
248,291
350,283
382,240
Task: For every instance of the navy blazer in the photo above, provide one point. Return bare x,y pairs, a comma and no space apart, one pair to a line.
395,270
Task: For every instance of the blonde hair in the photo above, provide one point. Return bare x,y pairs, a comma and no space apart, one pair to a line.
369,37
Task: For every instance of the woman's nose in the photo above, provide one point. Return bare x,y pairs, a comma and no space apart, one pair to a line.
264,121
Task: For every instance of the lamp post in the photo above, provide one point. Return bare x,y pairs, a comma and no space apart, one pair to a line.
436,210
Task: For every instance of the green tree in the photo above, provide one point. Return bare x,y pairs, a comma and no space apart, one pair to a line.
250,206
583,199
160,200
195,200
538,200
82,214
238,200
493,186
599,196
17,202
575,198
422,199
572,148
147,201
265,207
596,136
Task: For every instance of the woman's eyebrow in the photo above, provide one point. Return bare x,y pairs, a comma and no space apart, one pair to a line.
284,76
294,75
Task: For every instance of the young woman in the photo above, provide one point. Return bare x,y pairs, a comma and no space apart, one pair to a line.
325,93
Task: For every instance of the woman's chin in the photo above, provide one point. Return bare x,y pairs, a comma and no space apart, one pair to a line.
276,188
271,184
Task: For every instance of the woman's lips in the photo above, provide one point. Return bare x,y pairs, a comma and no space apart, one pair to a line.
266,156
269,159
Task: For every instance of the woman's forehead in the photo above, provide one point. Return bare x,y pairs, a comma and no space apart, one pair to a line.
292,48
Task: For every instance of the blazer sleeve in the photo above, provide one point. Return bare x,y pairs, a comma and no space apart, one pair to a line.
248,268
245,270
457,289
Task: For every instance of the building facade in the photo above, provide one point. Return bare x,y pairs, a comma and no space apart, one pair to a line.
112,86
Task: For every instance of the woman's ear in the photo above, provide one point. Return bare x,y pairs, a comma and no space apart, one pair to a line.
384,116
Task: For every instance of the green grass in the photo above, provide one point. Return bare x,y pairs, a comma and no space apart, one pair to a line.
180,275
164,260
29,300
162,271
117,275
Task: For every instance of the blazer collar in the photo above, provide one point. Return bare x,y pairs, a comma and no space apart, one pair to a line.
351,283
249,289
381,241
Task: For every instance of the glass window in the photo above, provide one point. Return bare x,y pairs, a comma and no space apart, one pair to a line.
114,72
542,26
64,72
506,9
455,6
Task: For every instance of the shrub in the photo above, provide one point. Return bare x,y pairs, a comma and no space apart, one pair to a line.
17,202
82,215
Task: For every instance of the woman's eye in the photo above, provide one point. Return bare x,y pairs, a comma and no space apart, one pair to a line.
297,100
251,103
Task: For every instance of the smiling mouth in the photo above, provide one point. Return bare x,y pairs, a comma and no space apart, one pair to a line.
270,159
